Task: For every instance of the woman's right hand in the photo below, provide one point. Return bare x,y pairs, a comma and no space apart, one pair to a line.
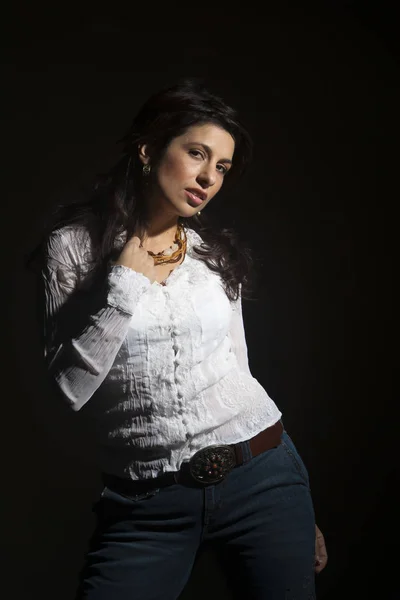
137,258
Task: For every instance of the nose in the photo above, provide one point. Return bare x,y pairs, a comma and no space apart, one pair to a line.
206,178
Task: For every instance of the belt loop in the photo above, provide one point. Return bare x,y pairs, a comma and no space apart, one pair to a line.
246,452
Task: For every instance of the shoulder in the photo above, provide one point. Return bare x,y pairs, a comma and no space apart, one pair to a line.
193,238
69,245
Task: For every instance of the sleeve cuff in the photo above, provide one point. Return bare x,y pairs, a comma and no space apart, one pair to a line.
125,286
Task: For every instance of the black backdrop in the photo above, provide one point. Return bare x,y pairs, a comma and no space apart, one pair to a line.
318,90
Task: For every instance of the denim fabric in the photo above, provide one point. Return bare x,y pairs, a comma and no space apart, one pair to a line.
260,519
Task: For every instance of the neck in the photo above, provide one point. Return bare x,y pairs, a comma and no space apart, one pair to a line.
158,231
161,227
160,221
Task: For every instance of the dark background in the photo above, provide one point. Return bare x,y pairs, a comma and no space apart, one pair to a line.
317,86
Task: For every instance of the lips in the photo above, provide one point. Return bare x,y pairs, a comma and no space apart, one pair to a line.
196,196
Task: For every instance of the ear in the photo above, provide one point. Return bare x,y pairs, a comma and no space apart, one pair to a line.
144,156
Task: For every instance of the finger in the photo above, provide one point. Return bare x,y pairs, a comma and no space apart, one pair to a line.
318,569
319,541
321,547
135,241
321,560
319,565
321,557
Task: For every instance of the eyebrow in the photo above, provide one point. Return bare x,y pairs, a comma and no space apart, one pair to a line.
209,152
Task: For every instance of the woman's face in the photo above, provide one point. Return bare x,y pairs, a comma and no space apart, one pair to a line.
192,169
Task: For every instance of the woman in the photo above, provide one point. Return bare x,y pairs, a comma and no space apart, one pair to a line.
143,332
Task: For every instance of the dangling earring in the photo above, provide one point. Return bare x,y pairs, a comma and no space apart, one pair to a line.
146,170
199,213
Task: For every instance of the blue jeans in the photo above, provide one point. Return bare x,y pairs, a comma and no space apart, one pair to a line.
260,519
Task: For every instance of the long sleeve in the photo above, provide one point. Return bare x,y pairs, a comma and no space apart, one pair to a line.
83,330
238,336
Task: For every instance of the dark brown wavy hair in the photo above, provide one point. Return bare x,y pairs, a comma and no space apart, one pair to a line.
117,203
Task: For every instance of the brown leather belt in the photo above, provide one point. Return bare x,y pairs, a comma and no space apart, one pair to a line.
208,466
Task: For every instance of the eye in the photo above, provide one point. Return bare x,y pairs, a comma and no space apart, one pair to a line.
196,153
222,169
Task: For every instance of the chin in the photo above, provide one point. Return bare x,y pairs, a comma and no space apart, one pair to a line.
186,211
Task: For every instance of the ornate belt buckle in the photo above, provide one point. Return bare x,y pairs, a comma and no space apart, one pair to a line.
212,464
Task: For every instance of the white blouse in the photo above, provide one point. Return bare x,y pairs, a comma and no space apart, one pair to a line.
162,369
